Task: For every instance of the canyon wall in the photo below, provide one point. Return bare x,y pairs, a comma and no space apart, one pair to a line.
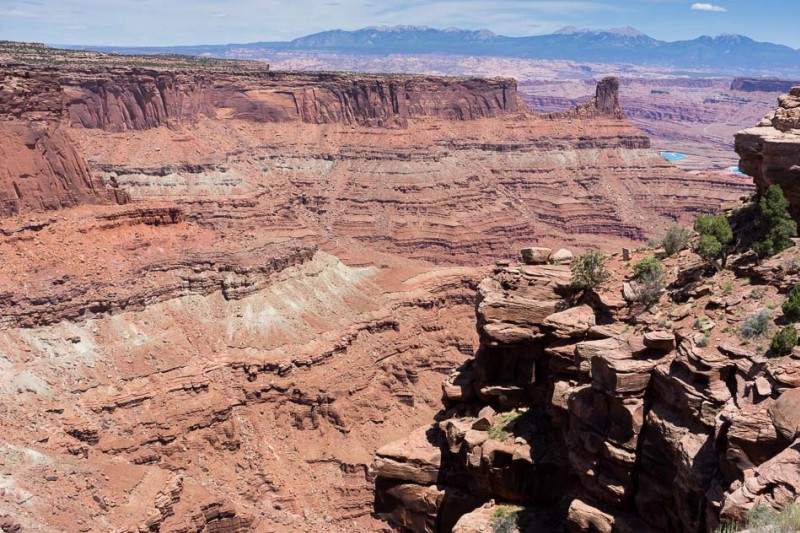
121,100
41,168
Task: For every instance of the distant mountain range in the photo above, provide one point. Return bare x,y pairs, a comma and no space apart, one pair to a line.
727,53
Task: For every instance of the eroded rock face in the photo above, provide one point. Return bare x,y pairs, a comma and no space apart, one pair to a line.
120,100
613,417
41,167
770,153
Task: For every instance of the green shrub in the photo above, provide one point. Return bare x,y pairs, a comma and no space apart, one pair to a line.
501,428
504,519
727,287
715,235
589,270
676,239
703,340
774,225
650,280
647,265
784,341
791,307
756,324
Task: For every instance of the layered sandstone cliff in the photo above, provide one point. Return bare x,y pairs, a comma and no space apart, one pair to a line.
41,167
770,152
594,413
121,100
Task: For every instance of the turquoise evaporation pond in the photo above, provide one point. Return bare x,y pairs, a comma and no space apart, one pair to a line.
735,170
673,156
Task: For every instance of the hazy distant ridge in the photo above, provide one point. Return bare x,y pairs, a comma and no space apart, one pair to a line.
620,45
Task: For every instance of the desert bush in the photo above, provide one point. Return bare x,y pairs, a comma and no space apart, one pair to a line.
756,324
589,270
647,265
703,340
504,519
784,341
650,280
727,288
501,428
774,225
791,307
715,235
764,519
676,239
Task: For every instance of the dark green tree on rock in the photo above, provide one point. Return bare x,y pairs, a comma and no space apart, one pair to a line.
774,226
715,236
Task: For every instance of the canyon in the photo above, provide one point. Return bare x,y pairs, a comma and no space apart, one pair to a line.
225,287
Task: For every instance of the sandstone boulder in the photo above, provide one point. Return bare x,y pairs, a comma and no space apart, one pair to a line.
786,414
660,340
574,322
562,257
535,255
416,458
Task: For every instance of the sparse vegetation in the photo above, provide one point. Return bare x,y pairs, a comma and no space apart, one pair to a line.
703,340
756,294
504,519
589,270
766,520
784,341
774,225
727,287
501,428
650,280
676,239
756,324
791,307
715,235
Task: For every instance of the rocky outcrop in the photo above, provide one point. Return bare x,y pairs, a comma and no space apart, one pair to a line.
613,417
604,103
770,152
41,168
768,85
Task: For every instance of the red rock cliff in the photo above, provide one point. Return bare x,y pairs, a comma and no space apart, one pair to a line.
120,100
40,167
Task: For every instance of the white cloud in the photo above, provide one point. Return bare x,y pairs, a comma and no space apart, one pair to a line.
708,7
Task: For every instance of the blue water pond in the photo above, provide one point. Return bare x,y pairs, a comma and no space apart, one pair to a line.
673,156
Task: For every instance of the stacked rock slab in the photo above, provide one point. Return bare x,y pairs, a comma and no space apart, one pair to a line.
604,418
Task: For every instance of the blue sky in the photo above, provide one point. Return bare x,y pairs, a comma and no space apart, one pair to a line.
169,22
